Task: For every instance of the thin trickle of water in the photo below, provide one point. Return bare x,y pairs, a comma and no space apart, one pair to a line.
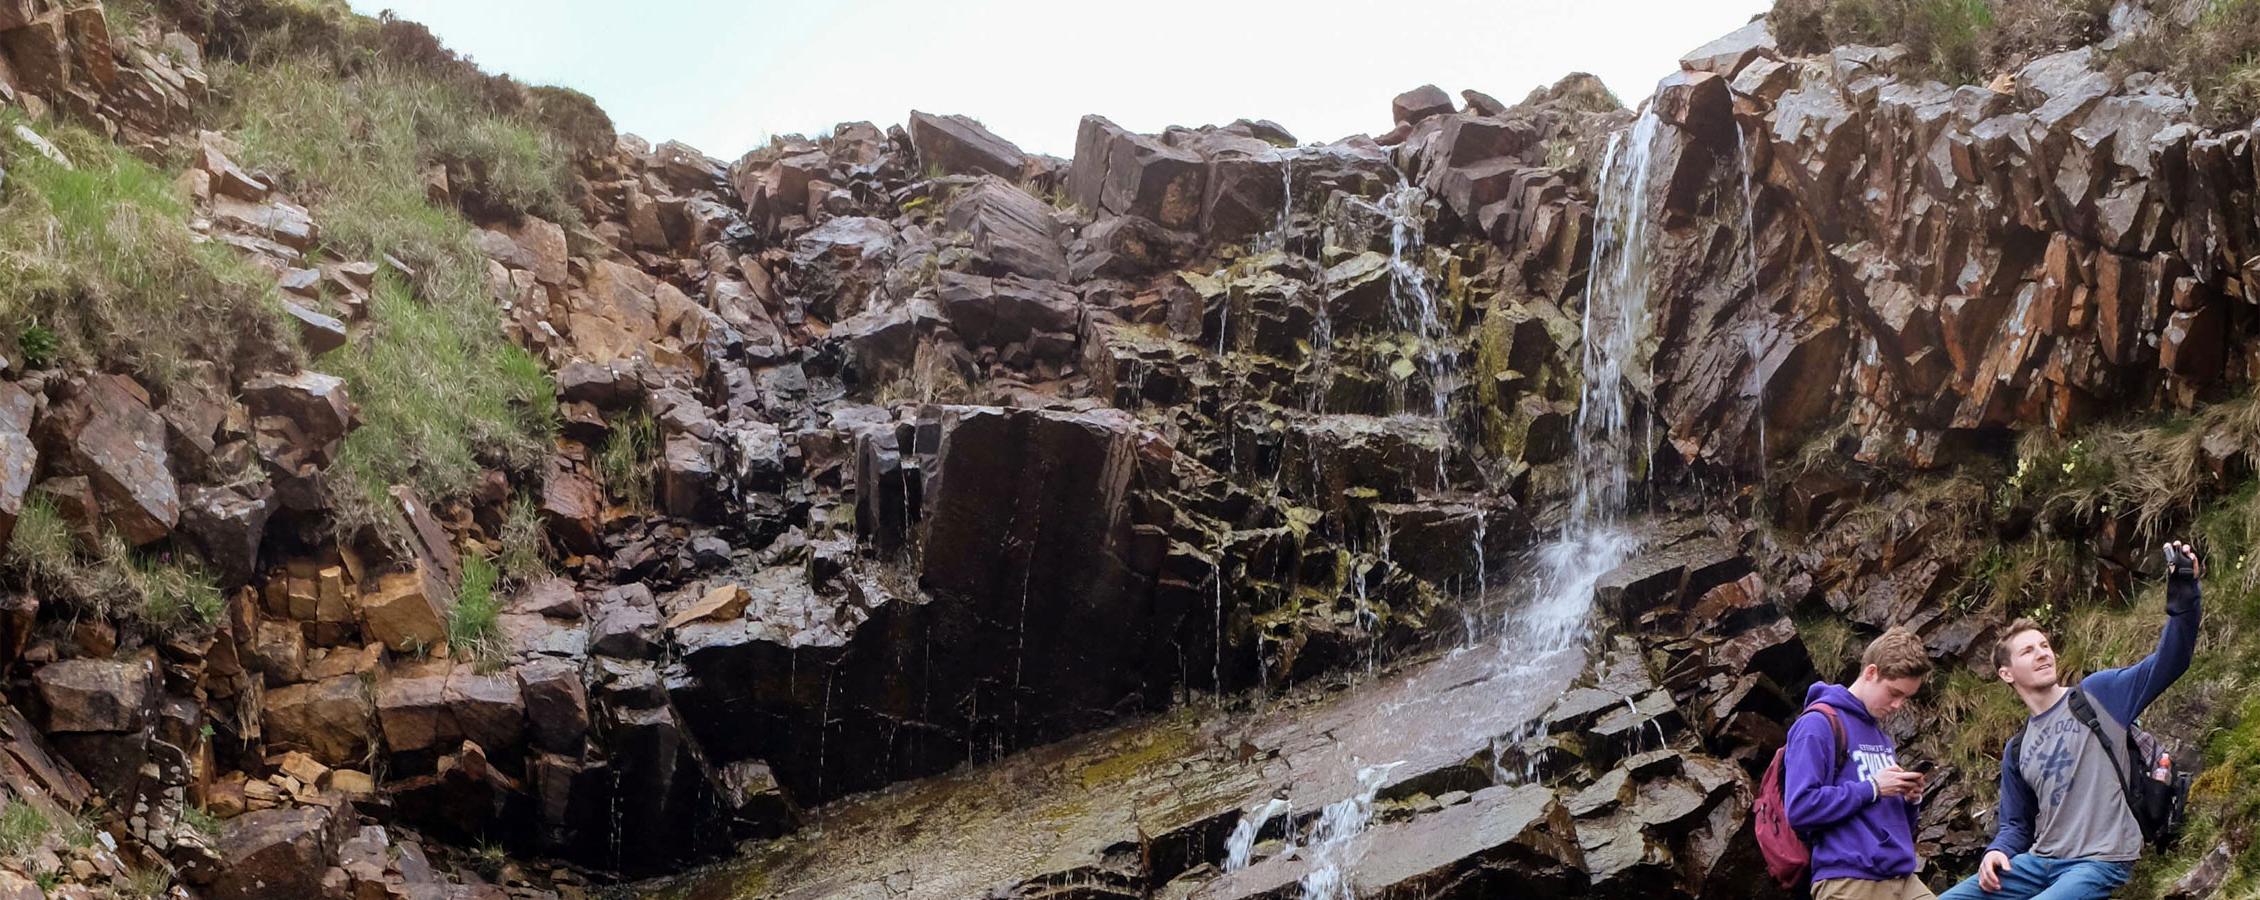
1329,845
1216,668
1242,844
1752,345
1411,300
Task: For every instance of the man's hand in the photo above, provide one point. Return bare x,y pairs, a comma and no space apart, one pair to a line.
2196,567
1898,782
1989,871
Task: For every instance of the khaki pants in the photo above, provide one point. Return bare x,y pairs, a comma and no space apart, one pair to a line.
1901,888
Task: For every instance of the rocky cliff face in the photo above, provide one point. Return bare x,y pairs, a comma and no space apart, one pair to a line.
1144,524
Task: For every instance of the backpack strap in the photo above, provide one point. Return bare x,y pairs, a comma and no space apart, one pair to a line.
1835,725
2085,713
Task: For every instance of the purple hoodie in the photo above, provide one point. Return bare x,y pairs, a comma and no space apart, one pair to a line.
1832,801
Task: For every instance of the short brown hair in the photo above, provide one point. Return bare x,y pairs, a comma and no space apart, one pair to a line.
2001,647
1897,654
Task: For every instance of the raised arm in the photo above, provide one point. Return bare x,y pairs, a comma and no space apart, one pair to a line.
2127,691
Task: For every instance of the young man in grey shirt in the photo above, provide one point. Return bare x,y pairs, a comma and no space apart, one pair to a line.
2065,830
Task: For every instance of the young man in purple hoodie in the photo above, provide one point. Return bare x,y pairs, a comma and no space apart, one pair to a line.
2065,831
1853,804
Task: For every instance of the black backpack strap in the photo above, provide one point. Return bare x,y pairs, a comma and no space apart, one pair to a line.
2085,713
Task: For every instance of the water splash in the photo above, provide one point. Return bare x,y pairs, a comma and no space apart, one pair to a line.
1241,846
1329,847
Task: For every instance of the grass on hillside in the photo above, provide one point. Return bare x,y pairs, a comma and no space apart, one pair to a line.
443,394
99,270
111,581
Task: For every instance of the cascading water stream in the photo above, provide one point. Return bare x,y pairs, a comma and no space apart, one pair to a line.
1593,539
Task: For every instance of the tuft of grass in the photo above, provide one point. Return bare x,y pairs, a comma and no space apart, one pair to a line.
22,829
202,821
2218,56
1984,712
1828,640
165,593
521,557
98,268
628,459
472,628
38,344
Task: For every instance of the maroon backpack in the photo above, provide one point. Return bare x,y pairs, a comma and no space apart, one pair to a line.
1786,855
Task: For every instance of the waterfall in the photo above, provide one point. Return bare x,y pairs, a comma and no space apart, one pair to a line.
1593,540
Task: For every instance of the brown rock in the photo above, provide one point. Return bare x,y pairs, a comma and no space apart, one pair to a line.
276,854
316,404
724,603
572,506
486,709
1419,103
414,714
278,651
121,450
1120,172
402,610
960,146
320,333
549,596
281,220
227,529
328,719
96,695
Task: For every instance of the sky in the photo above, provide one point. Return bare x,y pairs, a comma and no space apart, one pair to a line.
725,76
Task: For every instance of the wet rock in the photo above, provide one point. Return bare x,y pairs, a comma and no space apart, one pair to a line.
556,705
1502,840
227,528
998,312
625,623
958,145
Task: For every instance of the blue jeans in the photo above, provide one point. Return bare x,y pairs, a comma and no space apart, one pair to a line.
2039,878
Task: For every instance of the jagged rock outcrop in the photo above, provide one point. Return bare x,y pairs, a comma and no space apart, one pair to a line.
896,450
